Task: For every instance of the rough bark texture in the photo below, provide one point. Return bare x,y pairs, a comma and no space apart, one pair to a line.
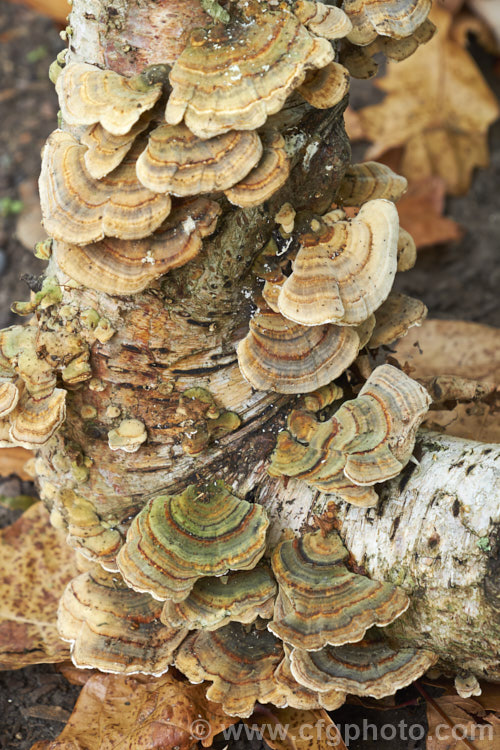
436,530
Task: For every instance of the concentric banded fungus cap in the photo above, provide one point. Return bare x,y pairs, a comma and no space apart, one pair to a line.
278,355
78,209
205,531
326,87
88,95
9,396
343,275
178,162
320,601
114,628
106,151
369,667
394,18
129,266
240,662
407,250
266,178
18,349
33,422
232,77
368,181
128,436
323,20
298,696
395,317
400,49
86,531
214,602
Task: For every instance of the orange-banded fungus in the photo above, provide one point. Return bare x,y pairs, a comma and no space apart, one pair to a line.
345,273
407,250
231,77
326,87
120,267
114,628
324,20
78,209
271,292
286,218
320,601
368,181
34,421
106,151
278,355
240,662
88,95
322,397
178,162
298,696
266,178
214,602
128,436
175,540
395,317
394,18
9,397
370,667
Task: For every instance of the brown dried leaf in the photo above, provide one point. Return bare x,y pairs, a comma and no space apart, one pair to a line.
438,107
468,350
467,720
13,460
35,566
294,729
140,713
421,213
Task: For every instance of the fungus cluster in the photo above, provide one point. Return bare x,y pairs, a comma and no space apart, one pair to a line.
131,184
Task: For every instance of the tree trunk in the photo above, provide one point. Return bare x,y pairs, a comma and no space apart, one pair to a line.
435,531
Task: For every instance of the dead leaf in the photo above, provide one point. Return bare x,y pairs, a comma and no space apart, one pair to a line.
58,10
75,675
140,712
452,347
489,12
421,213
13,460
35,566
353,125
438,107
292,729
467,720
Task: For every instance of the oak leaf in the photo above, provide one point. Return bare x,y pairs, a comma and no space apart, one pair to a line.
466,719
294,729
139,712
438,107
13,461
421,213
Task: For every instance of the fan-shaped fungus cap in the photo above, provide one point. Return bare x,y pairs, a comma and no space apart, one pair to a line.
326,87
34,421
320,601
232,77
298,696
18,347
369,667
394,18
205,531
78,209
286,217
214,602
106,151
9,396
178,162
407,250
395,317
343,275
323,20
400,49
278,355
368,181
266,178
88,95
114,628
322,397
239,662
129,266
358,61
86,531
128,436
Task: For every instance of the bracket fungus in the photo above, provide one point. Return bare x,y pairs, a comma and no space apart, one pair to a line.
114,628
326,87
324,20
233,76
120,267
106,151
395,317
368,440
178,162
214,602
320,601
175,540
89,95
368,181
278,355
394,18
298,696
343,274
128,436
266,178
9,397
32,422
240,663
78,209
369,667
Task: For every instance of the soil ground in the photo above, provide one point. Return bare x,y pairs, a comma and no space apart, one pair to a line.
460,280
